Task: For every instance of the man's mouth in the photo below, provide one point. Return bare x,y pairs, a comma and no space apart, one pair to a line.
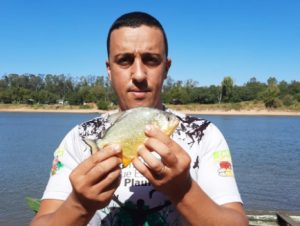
139,94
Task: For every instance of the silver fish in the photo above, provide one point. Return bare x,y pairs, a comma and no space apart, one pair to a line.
128,130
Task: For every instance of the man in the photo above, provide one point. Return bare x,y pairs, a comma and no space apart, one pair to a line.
192,182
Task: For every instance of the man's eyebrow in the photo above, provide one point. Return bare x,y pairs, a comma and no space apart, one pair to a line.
150,53
123,54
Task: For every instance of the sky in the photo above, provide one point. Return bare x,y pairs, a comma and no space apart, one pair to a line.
208,40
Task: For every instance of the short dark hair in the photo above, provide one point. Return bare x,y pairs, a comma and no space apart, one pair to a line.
136,19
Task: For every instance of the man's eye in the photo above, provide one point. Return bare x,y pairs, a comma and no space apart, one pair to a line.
151,60
124,61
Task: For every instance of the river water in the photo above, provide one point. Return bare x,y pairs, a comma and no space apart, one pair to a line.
265,152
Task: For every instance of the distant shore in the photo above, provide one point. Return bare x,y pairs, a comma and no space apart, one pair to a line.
245,112
82,111
259,112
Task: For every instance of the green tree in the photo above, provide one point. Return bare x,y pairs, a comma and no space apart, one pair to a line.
211,94
239,93
294,90
271,94
45,97
178,93
283,88
6,96
166,92
226,89
253,90
205,95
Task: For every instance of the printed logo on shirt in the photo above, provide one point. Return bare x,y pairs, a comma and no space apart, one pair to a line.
57,165
132,177
143,205
223,158
59,152
137,213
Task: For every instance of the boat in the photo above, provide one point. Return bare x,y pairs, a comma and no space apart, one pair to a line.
273,218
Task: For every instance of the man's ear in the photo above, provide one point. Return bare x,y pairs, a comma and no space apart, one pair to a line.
108,70
168,65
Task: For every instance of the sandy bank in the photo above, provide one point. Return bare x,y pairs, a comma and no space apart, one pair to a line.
83,111
198,112
245,112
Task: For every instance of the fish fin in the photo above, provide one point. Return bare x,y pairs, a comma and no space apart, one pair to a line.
172,128
126,161
115,117
92,144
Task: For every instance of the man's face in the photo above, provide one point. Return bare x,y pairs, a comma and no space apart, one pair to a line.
137,66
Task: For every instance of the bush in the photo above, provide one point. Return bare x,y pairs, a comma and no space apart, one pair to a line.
85,107
103,105
273,103
236,106
288,100
297,97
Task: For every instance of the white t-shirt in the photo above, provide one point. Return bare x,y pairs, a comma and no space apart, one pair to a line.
136,202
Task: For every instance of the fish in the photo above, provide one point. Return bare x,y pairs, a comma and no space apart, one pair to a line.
128,130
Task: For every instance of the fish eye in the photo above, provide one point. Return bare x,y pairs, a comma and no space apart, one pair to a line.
169,117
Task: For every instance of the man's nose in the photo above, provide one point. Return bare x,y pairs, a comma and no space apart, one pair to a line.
139,73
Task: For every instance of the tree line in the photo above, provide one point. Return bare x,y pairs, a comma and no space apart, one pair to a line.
51,89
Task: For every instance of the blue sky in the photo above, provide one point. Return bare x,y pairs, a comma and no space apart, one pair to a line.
208,40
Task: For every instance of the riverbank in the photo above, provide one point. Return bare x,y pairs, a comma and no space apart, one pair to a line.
59,110
207,110
243,112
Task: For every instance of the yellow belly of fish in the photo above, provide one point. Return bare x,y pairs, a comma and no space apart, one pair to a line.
129,150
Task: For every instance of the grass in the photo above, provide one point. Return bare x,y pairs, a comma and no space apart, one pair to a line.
247,105
44,106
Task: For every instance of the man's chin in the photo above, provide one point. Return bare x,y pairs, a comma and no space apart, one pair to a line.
141,103
144,103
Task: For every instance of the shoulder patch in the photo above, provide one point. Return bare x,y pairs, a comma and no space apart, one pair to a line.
57,164
223,158
59,152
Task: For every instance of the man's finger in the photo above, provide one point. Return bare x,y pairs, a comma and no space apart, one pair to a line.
155,132
143,169
102,169
110,181
99,156
151,161
167,156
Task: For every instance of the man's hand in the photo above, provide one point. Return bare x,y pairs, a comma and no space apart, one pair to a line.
95,180
169,172
171,176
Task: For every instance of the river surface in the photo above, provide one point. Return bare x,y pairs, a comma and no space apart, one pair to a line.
265,152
